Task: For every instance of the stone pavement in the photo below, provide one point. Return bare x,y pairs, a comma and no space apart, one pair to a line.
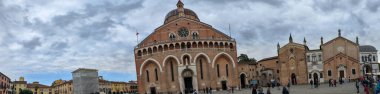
346,88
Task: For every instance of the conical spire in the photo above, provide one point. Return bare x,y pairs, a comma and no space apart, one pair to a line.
291,38
304,40
278,47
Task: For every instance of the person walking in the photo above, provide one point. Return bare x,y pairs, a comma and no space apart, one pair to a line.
254,90
377,87
289,86
311,83
334,82
268,91
285,91
330,83
366,89
261,91
316,83
357,86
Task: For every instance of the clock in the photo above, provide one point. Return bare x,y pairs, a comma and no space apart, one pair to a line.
183,32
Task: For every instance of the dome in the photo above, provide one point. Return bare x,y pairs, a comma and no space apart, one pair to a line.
175,14
367,48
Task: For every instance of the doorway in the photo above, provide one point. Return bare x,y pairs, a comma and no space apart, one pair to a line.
242,81
188,84
153,90
315,76
341,74
294,79
224,85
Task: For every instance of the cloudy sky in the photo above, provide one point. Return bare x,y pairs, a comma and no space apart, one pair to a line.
46,40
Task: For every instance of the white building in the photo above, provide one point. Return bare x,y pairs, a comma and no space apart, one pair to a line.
315,65
368,60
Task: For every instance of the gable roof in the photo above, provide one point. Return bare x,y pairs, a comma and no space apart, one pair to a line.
268,58
339,37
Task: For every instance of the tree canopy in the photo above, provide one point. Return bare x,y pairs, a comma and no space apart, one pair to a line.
26,91
243,58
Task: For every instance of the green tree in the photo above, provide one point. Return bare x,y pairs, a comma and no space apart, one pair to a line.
26,91
243,58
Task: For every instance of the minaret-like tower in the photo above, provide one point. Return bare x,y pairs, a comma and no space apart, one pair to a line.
278,47
339,35
304,41
320,47
180,8
290,38
357,40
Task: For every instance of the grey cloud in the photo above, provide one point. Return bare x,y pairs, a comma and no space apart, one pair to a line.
35,42
373,5
270,2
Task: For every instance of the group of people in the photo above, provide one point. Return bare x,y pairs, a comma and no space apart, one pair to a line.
314,83
259,90
332,83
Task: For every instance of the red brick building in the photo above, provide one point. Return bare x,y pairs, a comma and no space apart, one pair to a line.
5,84
185,54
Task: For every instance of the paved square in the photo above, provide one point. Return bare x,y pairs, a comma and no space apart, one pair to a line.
346,88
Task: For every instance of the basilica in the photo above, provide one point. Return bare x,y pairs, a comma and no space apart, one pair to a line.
184,55
296,63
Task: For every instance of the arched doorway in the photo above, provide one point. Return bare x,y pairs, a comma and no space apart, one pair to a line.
242,80
315,76
294,79
224,85
187,75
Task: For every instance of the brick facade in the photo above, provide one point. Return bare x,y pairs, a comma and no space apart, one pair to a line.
170,61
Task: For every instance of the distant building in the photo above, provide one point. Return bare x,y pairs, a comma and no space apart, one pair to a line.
85,81
35,87
19,85
105,87
5,84
369,60
38,88
315,65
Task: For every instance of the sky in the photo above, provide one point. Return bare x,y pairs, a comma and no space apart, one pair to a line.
47,40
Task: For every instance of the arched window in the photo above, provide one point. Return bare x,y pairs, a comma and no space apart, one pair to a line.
155,70
362,58
172,36
374,58
217,69
195,35
171,69
227,70
201,67
147,75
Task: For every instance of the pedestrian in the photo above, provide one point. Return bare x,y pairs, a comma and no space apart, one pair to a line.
311,83
261,91
334,82
330,83
210,90
316,83
285,91
366,90
289,86
254,90
357,86
377,87
195,92
268,91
